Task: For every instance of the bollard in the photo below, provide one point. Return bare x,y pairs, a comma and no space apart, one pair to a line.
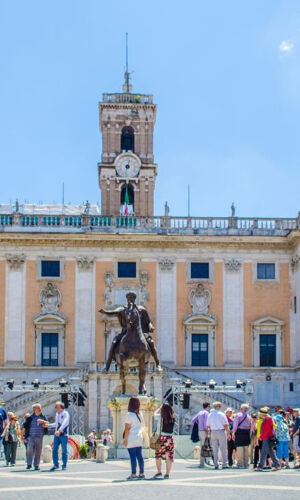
197,451
101,453
47,454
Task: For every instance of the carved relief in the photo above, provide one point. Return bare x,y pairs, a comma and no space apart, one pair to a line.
295,262
166,264
200,298
233,265
15,261
85,263
144,294
50,299
108,294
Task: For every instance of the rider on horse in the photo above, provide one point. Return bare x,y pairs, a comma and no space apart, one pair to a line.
146,325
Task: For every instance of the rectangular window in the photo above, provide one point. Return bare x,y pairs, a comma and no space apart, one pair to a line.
267,348
49,349
199,350
50,269
126,269
295,305
265,271
291,386
199,270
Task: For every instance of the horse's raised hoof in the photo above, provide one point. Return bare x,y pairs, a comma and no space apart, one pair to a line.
159,369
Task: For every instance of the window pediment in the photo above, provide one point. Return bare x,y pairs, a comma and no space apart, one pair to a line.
200,319
49,319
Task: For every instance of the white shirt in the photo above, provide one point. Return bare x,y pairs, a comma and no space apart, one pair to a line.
216,420
135,437
62,421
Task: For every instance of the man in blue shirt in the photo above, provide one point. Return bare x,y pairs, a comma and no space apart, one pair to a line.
34,433
3,421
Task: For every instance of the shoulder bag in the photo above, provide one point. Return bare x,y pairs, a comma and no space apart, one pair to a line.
155,438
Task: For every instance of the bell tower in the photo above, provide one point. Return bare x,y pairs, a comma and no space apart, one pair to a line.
127,170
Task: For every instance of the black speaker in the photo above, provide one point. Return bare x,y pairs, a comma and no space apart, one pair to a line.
65,399
186,401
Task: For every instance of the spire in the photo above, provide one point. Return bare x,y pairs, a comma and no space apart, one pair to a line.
127,87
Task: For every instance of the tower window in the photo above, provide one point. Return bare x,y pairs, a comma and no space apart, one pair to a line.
127,139
127,200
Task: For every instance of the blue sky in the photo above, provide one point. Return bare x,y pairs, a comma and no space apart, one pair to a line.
225,76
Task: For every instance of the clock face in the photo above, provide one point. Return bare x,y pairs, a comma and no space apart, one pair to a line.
127,165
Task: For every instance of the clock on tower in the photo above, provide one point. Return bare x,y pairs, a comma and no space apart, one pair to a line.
127,170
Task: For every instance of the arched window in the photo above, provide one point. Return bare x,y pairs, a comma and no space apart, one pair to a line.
127,200
127,139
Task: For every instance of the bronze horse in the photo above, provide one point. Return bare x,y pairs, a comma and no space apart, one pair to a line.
133,349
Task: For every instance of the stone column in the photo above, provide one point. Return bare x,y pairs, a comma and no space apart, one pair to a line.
85,310
233,327
166,310
15,309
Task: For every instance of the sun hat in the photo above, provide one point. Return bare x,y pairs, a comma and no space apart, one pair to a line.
264,410
228,409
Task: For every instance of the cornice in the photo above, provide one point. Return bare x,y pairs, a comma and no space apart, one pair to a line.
140,240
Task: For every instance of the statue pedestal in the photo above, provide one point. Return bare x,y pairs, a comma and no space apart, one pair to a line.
118,407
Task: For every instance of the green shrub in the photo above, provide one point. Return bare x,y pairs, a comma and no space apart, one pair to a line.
83,450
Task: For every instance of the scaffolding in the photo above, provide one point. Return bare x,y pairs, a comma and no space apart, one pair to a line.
74,392
178,390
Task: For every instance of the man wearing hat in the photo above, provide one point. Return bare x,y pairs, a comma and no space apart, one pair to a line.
218,427
241,436
266,435
146,326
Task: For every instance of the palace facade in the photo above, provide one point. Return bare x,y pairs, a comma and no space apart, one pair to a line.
222,292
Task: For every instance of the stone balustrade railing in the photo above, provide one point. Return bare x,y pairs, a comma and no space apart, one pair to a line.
127,97
18,222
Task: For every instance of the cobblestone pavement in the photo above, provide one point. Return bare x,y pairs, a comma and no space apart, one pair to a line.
87,479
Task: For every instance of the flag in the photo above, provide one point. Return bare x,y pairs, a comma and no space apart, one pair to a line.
127,203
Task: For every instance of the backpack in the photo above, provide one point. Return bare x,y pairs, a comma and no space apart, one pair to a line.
195,433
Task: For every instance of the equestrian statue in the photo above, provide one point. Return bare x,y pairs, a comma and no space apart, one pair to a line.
134,345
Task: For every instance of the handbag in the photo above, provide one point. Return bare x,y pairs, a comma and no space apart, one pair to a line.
273,442
155,438
206,449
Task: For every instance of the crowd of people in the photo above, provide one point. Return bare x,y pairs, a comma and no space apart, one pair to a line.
31,433
265,440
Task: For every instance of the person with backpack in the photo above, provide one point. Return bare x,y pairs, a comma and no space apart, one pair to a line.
282,434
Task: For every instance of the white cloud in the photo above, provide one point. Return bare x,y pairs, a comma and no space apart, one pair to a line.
286,47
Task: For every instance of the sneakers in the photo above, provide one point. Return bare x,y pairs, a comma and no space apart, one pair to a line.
28,467
37,468
64,467
53,468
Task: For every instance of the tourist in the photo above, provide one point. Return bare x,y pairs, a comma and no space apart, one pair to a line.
133,438
107,439
296,438
61,426
166,441
3,422
201,420
218,428
253,431
241,436
33,434
11,437
283,435
23,439
91,441
230,442
267,436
